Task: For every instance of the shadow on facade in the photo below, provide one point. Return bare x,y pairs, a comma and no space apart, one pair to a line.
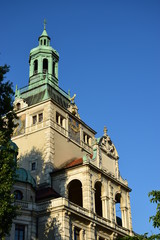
36,198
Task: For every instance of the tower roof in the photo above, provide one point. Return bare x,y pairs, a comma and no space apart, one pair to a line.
44,33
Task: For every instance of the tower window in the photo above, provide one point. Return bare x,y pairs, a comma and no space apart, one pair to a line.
87,139
60,120
35,66
35,119
41,42
44,41
45,65
19,232
40,117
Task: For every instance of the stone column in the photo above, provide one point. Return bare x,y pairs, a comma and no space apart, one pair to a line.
105,212
124,217
66,225
92,231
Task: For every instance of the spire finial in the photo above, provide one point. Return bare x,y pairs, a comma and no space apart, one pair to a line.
45,24
105,131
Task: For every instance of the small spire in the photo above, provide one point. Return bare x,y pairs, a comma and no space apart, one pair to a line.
45,24
105,131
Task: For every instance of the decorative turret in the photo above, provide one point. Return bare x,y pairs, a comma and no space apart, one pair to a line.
43,61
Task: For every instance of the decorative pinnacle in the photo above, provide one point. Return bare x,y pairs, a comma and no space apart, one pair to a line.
105,131
45,24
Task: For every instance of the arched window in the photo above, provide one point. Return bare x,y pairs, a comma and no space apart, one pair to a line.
75,192
18,106
18,195
35,67
45,65
118,209
98,201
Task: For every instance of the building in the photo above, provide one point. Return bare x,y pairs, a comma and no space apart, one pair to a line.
68,185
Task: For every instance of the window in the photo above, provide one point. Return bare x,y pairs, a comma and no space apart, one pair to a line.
35,119
60,120
98,201
18,195
18,106
35,66
76,233
118,209
75,192
40,117
19,232
45,65
87,139
44,41
33,166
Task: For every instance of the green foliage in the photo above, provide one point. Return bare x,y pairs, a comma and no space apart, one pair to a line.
7,154
155,198
6,107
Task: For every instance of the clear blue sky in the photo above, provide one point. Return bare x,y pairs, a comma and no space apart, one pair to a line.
110,57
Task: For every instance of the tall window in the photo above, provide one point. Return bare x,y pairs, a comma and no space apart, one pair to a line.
19,232
75,192
45,65
76,233
18,106
118,209
98,201
35,67
87,139
60,120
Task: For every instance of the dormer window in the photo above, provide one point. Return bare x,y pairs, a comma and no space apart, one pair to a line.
45,65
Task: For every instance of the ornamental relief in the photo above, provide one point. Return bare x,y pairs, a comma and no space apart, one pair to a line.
106,145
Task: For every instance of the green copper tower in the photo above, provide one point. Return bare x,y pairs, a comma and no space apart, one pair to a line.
43,75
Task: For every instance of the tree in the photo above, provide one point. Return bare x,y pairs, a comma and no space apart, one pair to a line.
155,198
7,154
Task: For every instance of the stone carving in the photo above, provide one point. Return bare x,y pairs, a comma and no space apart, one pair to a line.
106,144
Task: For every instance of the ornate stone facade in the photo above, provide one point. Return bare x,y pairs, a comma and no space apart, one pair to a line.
79,193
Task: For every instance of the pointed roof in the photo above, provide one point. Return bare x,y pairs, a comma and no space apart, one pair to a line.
44,33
